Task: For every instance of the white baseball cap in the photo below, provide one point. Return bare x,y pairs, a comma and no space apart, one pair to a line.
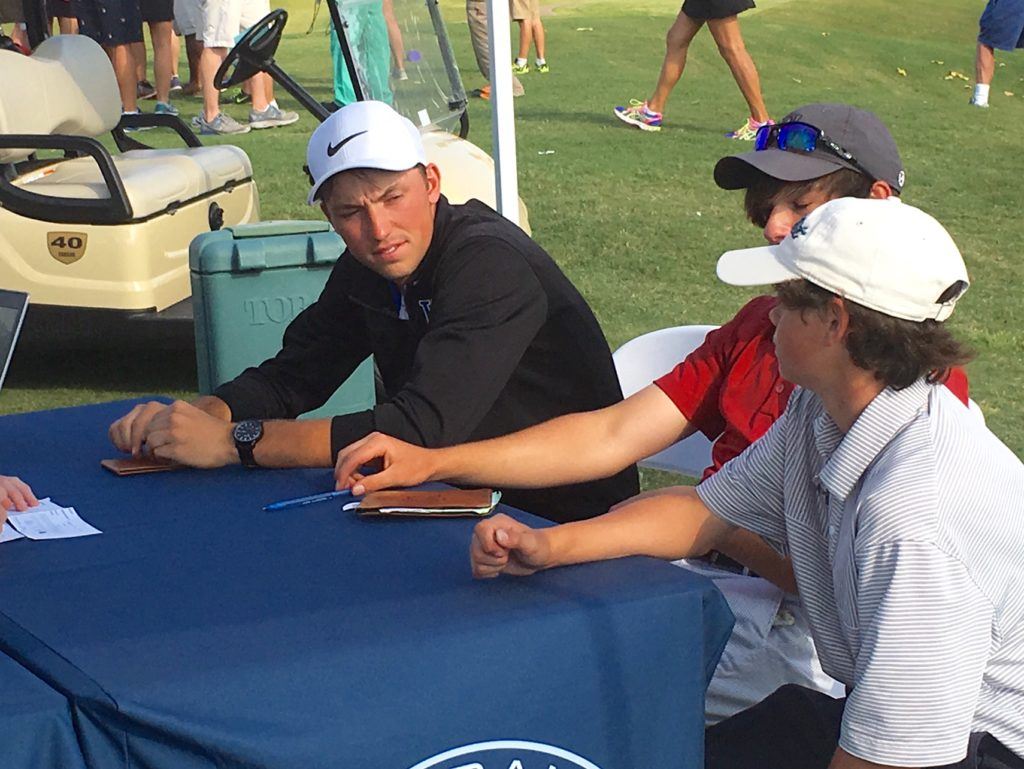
882,254
364,134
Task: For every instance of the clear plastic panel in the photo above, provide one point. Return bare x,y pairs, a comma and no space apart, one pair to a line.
402,57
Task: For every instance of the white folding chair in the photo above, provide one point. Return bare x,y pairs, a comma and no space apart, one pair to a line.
642,360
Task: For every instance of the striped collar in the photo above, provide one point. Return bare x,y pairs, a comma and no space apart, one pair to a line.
848,456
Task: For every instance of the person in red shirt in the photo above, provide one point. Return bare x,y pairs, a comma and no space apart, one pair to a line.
729,389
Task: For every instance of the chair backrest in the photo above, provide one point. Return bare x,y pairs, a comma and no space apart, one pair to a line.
642,360
67,86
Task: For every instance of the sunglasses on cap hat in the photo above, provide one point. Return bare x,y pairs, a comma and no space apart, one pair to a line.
803,138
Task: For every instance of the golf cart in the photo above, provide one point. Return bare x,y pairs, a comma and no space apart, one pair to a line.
101,237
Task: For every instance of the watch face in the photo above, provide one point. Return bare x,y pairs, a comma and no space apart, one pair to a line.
248,431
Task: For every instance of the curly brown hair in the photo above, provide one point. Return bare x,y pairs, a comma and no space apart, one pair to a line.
897,351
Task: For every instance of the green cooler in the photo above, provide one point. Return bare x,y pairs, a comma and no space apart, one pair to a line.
248,282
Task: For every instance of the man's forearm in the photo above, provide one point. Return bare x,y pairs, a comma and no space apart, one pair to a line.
295,443
570,449
673,523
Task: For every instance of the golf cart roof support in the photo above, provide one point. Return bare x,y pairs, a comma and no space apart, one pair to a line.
503,125
340,29
433,6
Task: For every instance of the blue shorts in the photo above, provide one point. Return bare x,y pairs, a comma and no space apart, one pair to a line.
1002,24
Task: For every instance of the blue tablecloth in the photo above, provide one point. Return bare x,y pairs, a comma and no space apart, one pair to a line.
200,631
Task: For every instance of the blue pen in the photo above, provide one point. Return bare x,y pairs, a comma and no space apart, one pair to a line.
284,504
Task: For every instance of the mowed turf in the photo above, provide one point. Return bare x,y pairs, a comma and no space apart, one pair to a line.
634,218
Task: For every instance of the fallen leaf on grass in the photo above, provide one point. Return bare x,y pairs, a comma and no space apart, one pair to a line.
584,29
953,74
546,152
1007,93
901,72
938,61
825,34
797,80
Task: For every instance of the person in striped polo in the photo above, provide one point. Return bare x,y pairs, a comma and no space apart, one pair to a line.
903,515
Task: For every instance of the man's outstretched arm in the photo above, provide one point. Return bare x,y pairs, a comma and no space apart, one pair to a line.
570,449
670,524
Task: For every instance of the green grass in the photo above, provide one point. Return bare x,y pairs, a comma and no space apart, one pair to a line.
635,218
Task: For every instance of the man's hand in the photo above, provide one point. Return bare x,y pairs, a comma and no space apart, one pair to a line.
14,495
403,464
184,433
130,431
503,545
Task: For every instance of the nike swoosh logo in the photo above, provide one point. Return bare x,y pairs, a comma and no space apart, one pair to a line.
332,149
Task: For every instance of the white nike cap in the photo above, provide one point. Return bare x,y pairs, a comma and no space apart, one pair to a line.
882,254
364,134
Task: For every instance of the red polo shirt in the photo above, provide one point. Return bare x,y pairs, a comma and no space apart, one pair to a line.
729,388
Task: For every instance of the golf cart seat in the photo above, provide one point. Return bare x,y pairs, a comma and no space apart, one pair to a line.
135,210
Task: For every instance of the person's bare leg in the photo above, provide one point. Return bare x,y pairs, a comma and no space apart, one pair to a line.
677,43
123,61
261,88
726,33
160,34
68,25
984,64
193,52
175,51
139,55
209,63
538,37
525,37
394,35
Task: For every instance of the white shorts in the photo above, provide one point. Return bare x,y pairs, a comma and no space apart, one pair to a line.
187,16
224,20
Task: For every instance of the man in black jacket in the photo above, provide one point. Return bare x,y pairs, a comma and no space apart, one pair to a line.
474,329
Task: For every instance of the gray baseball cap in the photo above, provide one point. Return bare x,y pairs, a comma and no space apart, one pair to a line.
857,131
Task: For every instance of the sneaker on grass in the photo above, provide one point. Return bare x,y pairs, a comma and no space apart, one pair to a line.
637,114
145,90
975,103
542,67
520,69
165,108
175,83
222,124
747,131
271,117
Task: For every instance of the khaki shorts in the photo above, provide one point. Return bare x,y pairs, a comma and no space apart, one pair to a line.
224,20
521,10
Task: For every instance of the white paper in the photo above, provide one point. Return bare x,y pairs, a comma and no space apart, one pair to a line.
8,534
50,521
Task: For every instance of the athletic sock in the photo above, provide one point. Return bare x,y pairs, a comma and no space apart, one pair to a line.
540,62
980,93
520,62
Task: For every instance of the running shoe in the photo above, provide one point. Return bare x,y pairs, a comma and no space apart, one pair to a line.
145,90
542,68
973,103
272,117
747,131
637,114
175,83
237,96
520,69
223,125
165,108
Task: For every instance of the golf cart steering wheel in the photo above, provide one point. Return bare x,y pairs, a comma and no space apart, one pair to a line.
254,52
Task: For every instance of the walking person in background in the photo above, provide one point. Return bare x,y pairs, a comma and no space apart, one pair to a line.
721,18
526,13
476,18
1001,26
